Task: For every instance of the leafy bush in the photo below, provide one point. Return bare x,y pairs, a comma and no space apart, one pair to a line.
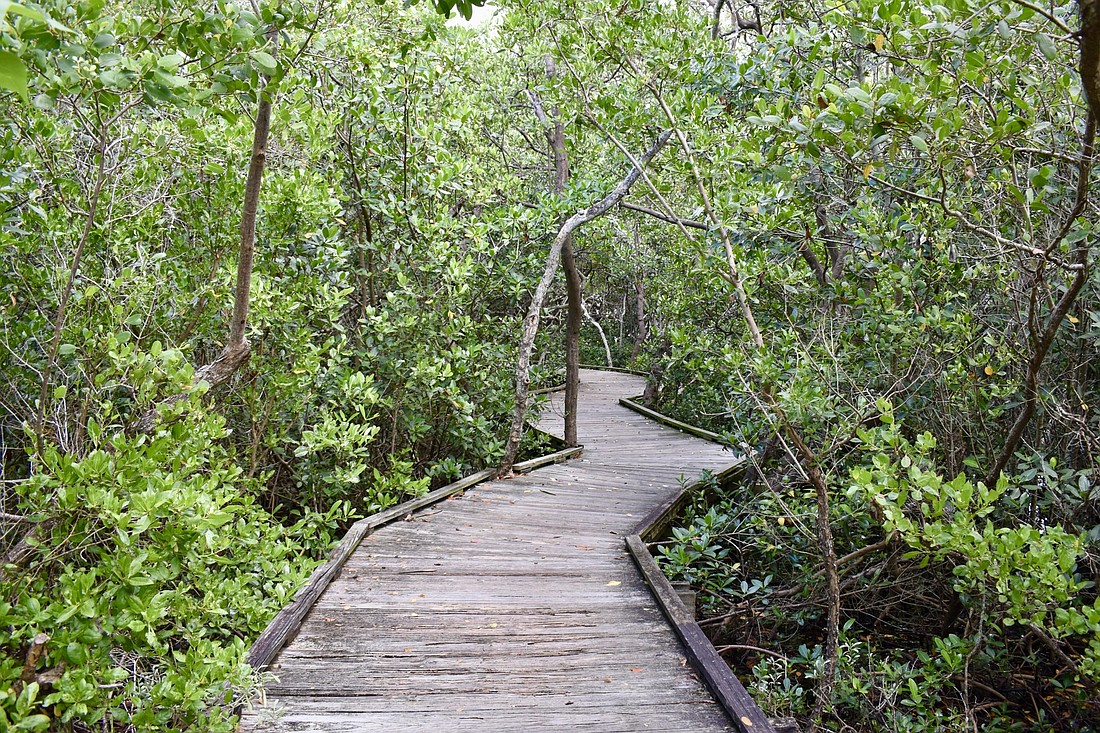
154,567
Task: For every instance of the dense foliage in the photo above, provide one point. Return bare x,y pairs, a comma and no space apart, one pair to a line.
866,257
381,305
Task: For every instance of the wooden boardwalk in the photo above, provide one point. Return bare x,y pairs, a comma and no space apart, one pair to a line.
514,607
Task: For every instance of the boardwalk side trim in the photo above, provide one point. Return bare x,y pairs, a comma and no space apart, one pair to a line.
716,674
620,370
722,683
287,622
641,409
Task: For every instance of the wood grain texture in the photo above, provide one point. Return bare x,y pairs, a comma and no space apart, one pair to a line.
514,607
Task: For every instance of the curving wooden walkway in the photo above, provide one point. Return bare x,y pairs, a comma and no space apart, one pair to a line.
514,607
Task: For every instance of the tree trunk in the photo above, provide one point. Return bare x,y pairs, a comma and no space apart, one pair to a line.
236,350
572,342
639,313
555,136
1041,341
367,296
531,322
599,331
66,294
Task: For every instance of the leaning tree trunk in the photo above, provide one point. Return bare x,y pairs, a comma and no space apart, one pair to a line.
531,322
599,332
236,350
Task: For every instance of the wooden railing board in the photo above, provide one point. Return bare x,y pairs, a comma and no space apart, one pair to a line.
716,674
620,370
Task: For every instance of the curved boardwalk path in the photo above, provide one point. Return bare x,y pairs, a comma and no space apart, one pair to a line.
513,608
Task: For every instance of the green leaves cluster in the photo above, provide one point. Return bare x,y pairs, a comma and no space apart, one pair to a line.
1021,573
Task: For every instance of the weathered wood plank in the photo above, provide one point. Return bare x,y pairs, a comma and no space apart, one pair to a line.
283,627
620,370
715,672
633,404
514,607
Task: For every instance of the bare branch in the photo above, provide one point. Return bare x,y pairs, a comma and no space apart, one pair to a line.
664,217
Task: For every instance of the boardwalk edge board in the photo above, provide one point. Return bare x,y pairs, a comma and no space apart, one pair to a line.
716,674
619,370
633,404
287,622
547,390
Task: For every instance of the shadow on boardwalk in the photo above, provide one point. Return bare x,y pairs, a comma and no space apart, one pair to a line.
511,608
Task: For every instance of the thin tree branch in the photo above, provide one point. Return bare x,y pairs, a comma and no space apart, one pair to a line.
664,217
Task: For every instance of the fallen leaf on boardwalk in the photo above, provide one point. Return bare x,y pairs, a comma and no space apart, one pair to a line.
607,679
615,582
582,547
493,625
551,493
474,542
408,517
636,669
329,620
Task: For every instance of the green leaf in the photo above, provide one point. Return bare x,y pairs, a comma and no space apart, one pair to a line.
919,143
116,78
13,74
66,349
265,62
17,9
35,722
1046,45
170,63
7,7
